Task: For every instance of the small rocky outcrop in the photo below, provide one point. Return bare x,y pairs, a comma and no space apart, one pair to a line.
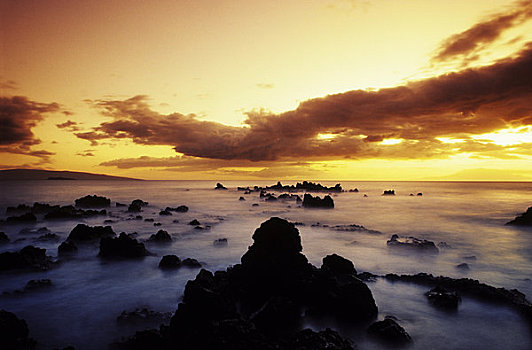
28,257
142,317
220,242
70,212
93,201
336,265
219,186
316,202
524,219
421,245
179,209
389,331
136,206
194,222
241,199
165,213
28,217
84,233
122,246
14,333
170,262
161,236
388,193
190,262
67,248
443,298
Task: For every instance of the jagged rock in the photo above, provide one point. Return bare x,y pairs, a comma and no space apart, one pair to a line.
194,222
121,247
413,243
443,298
336,264
70,212
28,217
28,257
84,233
219,186
220,242
316,202
165,213
66,248
160,236
14,333
389,331
524,219
355,228
463,266
180,209
241,199
189,262
136,206
170,262
388,193
93,201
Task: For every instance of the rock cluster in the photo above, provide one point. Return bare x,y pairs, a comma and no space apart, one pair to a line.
316,202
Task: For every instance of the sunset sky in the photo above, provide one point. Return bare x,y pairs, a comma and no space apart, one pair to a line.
314,89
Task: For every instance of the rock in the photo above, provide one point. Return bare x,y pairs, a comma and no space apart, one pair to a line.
443,298
388,193
336,264
120,205
354,190
389,331
48,237
3,238
134,208
316,202
67,248
147,339
419,194
28,257
157,224
149,220
355,228
220,242
19,209
524,219
255,204
142,316
241,199
328,339
463,266
84,233
93,202
165,213
160,236
219,186
70,212
37,284
277,315
421,245
180,209
121,247
444,245
170,262
304,186
140,202
470,257
28,217
194,222
14,333
189,262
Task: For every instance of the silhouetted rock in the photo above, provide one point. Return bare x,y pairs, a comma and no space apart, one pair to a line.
134,208
19,209
180,209
463,266
389,331
328,339
443,298
336,264
189,262
355,228
194,222
14,333
28,217
421,245
3,238
161,236
165,213
142,316
316,202
419,194
121,247
149,220
66,248
140,202
219,186
524,219
354,190
84,233
388,193
278,315
120,205
241,199
48,237
70,212
93,201
220,242
28,257
305,186
170,262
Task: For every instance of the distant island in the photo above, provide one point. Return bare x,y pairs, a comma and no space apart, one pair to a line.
35,174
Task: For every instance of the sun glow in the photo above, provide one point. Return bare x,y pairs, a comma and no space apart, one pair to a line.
391,141
507,137
325,136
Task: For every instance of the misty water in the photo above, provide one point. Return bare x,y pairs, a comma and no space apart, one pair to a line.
88,293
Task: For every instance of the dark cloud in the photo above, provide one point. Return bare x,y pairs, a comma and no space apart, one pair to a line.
69,125
476,38
86,153
18,116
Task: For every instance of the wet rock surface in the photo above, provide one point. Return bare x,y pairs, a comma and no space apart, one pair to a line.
412,243
122,246
28,257
524,219
389,331
443,298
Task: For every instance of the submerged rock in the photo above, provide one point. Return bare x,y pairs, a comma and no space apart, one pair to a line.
170,262
93,201
388,193
220,242
121,247
463,266
28,257
14,333
28,217
67,248
421,245
524,219
389,331
161,236
443,298
180,209
189,262
316,202
84,233
219,186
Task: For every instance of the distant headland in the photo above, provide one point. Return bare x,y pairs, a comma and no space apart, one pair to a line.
36,174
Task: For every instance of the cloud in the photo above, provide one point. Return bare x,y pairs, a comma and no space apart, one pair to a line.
86,153
470,42
8,85
18,116
69,125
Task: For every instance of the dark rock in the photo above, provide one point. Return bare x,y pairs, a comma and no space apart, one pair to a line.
165,213
180,209
157,224
328,339
389,331
149,220
220,242
93,202
37,284
120,205
241,199
14,333
19,209
443,298
316,202
524,219
444,245
470,257
28,217
142,316
48,237
305,186
70,212
354,190
278,315
160,236
388,193
121,247
355,228
421,245
84,233
109,221
134,208
170,262
189,262
3,238
66,248
219,186
336,265
142,340
28,257
255,205
140,202
419,194
462,266
175,221
194,222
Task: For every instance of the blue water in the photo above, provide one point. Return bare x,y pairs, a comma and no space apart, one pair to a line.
88,293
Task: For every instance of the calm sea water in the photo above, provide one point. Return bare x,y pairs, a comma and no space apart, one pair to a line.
88,293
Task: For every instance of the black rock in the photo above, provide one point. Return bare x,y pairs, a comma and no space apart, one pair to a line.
421,245
241,199
3,238
180,209
220,242
338,265
316,202
165,213
37,284
142,316
19,209
134,208
140,202
48,237
93,202
190,262
170,262
443,298
14,333
160,236
219,186
389,331
149,220
66,248
28,217
28,257
328,339
121,247
70,212
255,204
462,266
194,222
354,190
84,233
278,315
120,205
524,219
388,193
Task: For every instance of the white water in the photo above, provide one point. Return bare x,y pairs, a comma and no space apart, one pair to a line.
88,293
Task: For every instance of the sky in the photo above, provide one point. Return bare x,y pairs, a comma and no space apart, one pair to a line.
284,90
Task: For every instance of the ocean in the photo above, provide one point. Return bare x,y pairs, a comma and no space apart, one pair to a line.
88,293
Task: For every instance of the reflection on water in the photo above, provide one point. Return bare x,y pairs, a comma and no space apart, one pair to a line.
88,294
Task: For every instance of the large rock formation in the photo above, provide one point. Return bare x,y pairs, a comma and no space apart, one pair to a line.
93,202
121,247
524,219
316,202
28,257
84,233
